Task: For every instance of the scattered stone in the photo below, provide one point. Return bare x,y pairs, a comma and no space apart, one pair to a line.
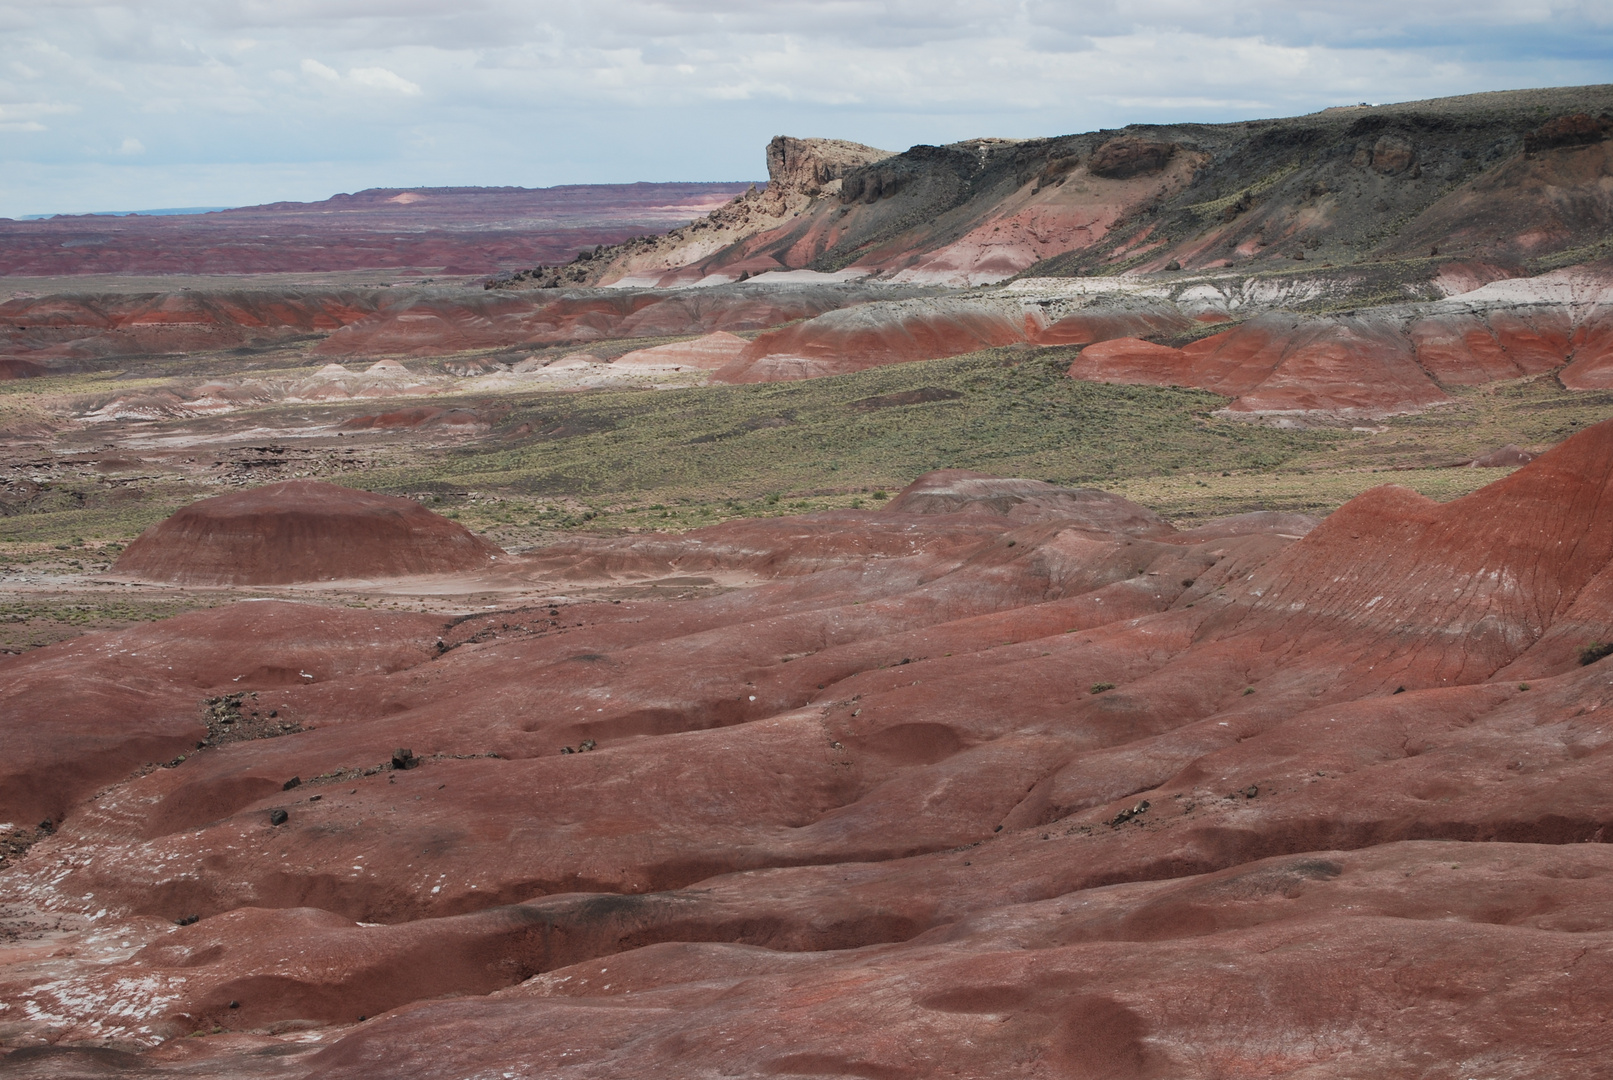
187,920
278,817
1100,687
1126,815
295,781
403,758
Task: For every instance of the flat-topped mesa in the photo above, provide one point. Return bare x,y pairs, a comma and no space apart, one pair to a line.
302,531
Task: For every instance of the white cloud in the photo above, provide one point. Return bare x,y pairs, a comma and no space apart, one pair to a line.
372,78
131,147
379,78
554,91
320,71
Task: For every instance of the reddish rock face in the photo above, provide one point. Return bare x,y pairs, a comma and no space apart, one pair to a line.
1125,157
302,530
1004,778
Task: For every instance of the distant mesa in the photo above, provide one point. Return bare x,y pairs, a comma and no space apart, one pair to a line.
301,531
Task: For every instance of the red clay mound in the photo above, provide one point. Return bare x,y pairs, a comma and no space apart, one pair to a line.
874,334
12,367
1281,364
702,354
1132,360
301,530
893,333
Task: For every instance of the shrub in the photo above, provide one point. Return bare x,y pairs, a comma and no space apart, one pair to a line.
1593,652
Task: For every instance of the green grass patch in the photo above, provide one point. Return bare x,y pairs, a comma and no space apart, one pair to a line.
818,441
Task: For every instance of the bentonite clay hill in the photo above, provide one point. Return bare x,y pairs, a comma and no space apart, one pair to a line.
302,530
1001,780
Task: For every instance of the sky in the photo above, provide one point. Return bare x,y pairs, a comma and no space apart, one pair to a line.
127,106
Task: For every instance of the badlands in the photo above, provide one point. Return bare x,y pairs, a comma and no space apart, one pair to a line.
1126,605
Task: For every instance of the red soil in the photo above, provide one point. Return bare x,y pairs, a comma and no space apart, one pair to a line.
302,530
1341,809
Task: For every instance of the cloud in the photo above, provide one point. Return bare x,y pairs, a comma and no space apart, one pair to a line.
131,147
399,92
379,78
373,78
24,116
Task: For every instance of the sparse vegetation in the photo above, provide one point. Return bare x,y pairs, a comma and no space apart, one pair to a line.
1594,651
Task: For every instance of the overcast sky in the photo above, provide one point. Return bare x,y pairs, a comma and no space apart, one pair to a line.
120,106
